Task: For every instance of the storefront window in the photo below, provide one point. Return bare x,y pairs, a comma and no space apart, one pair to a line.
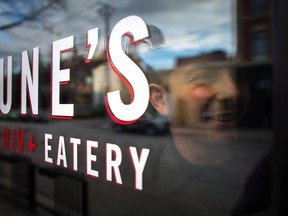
135,108
259,44
259,6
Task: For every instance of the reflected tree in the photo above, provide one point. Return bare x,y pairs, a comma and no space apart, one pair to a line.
14,13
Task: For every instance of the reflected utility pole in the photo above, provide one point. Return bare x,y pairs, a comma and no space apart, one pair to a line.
106,11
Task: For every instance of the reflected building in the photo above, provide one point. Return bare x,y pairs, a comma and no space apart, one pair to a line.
254,54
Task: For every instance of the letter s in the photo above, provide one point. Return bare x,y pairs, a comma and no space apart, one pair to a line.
129,72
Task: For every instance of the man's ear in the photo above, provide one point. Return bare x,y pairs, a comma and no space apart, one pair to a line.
158,98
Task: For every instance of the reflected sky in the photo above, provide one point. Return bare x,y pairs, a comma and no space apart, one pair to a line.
190,27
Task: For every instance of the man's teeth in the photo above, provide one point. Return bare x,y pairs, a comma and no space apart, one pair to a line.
224,118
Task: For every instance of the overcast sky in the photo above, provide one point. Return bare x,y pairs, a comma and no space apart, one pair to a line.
189,27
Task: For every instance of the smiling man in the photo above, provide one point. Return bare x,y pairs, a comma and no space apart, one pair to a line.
202,104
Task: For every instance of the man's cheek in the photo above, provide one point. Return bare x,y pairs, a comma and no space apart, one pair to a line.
200,93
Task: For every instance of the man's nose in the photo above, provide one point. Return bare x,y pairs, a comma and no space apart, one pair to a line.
226,87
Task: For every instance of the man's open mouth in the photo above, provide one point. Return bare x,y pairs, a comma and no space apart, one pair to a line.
220,117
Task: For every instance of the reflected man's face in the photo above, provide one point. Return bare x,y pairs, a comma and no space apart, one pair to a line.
201,98
202,105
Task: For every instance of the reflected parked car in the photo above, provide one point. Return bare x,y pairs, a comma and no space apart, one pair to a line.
145,125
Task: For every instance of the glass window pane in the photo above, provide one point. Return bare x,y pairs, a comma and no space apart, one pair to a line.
136,107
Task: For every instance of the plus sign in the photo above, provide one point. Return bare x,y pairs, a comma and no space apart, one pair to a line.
31,145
